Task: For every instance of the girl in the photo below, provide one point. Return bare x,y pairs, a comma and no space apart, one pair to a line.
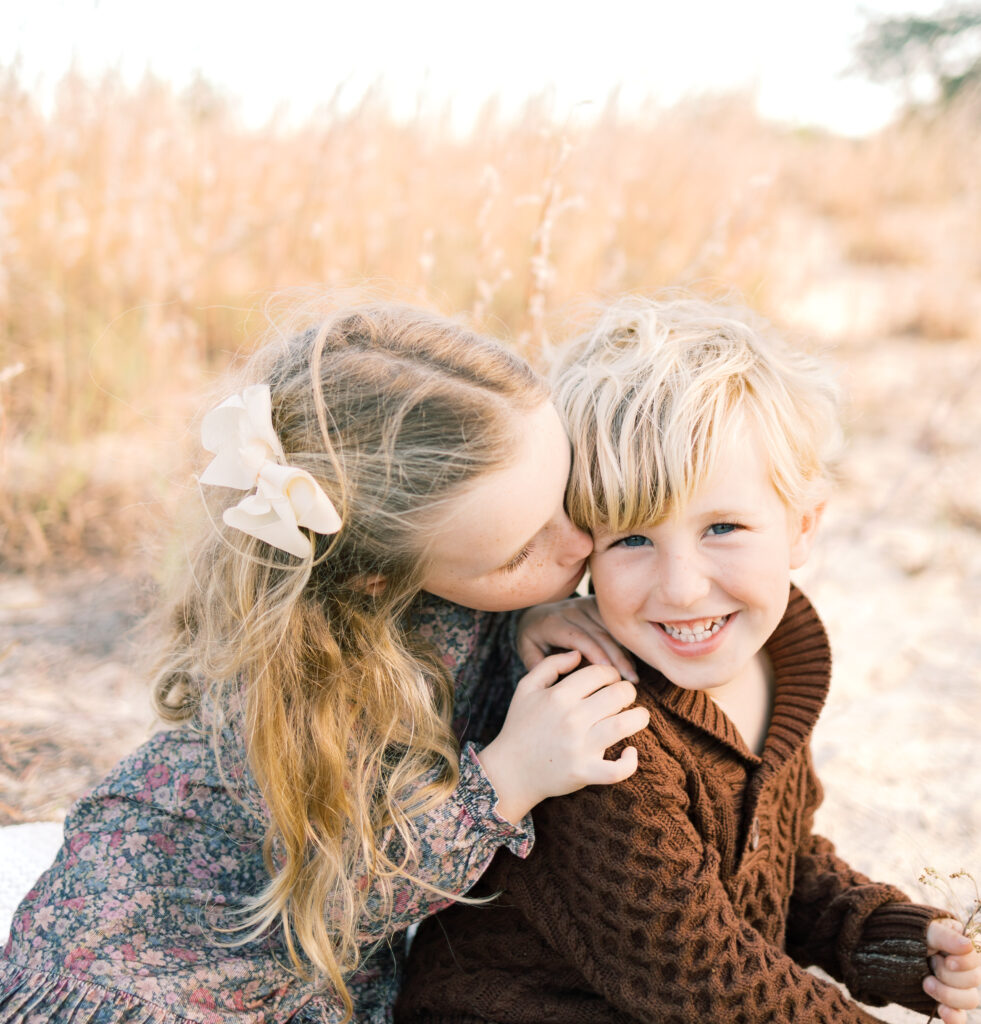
256,862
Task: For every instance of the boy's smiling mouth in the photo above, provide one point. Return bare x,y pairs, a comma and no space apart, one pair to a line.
695,630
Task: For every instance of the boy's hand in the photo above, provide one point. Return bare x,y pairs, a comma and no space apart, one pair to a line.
557,731
956,969
574,624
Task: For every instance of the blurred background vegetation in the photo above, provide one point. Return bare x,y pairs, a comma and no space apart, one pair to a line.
143,228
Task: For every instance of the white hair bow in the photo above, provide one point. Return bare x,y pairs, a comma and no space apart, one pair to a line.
248,455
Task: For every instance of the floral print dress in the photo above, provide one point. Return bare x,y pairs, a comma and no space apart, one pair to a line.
127,924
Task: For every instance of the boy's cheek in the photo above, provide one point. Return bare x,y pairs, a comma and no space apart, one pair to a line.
603,563
621,574
599,586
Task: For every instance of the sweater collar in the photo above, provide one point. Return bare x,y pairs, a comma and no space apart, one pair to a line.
801,660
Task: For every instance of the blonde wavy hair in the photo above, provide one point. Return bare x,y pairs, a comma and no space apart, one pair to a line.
652,387
345,713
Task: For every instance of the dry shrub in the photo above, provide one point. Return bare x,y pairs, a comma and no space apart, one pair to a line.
139,229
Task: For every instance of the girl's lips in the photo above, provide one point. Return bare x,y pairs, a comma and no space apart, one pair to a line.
683,642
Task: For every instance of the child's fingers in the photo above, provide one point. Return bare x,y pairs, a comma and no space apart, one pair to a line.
619,727
548,670
592,641
590,647
606,773
530,653
955,974
587,612
949,1016
608,700
945,936
947,995
580,684
618,658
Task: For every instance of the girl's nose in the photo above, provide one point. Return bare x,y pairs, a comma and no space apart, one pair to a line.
571,544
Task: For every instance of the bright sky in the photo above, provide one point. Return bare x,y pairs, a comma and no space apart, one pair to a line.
792,54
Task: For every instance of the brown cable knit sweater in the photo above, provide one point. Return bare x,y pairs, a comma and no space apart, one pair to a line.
693,892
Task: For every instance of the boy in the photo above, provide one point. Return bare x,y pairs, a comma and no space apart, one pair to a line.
695,891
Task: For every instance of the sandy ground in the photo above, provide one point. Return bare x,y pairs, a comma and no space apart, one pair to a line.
72,697
897,577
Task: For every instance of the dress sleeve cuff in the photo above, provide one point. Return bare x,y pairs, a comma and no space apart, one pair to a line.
891,959
480,800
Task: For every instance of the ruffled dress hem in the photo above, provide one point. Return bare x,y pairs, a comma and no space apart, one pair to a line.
29,996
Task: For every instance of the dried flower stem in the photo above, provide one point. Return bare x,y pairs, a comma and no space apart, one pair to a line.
535,338
493,274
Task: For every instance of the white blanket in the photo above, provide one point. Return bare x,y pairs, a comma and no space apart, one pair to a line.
25,852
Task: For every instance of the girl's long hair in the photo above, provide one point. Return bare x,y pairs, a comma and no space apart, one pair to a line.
345,714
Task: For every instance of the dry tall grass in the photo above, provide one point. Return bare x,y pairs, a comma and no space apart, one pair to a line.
140,229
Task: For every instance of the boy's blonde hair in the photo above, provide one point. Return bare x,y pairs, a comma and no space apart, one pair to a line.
650,390
346,715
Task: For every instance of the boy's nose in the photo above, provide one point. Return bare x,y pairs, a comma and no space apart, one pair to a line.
681,583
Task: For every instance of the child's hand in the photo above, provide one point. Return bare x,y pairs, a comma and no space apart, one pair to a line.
956,969
557,731
574,624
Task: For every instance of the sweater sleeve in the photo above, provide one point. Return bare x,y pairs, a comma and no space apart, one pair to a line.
623,887
868,935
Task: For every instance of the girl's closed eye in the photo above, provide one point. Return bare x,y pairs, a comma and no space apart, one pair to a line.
518,559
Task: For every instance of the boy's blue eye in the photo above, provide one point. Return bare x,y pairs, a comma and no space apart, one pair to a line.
635,540
721,529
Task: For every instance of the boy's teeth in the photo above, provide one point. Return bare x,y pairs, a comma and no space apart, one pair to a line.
692,632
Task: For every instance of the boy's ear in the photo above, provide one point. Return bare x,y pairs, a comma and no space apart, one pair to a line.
805,525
